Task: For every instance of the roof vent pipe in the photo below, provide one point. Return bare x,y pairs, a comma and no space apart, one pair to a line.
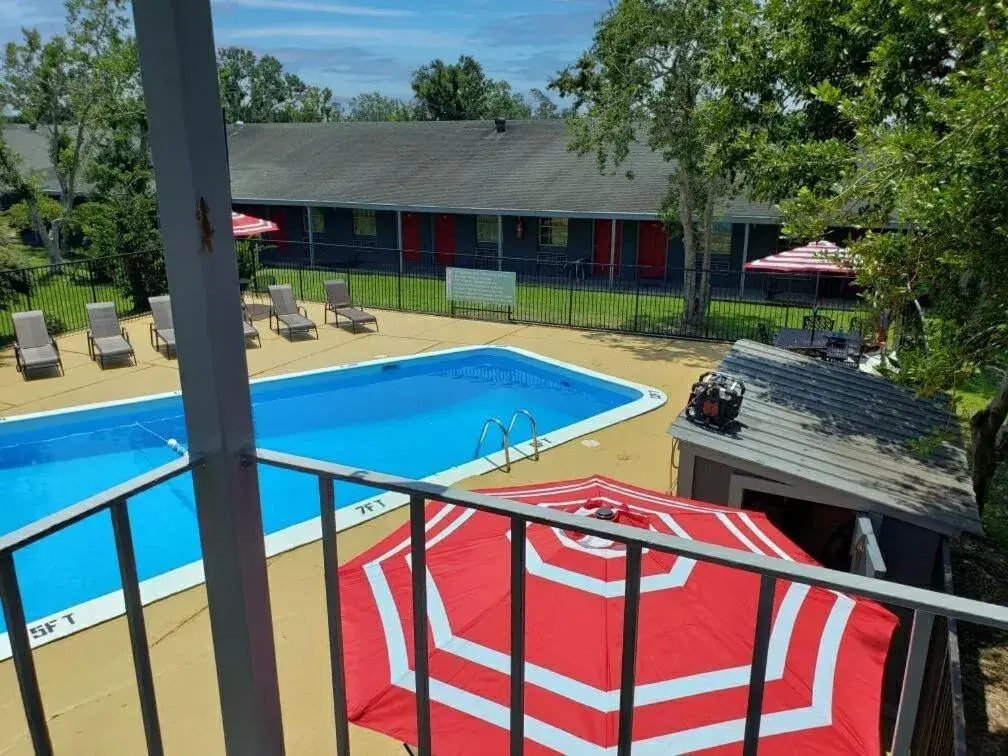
500,125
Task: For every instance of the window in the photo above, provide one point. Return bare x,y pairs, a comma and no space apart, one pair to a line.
318,220
552,232
364,224
486,230
720,240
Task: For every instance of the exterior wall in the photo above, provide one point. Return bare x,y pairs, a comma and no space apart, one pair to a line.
628,251
520,254
711,481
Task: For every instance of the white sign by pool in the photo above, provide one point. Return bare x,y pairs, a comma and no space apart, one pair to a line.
490,287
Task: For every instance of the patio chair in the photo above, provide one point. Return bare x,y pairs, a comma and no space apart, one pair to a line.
338,302
817,323
34,348
837,350
162,329
250,330
287,312
107,339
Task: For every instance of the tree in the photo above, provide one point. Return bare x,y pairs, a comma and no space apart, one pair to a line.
374,106
921,147
654,73
452,91
543,108
503,102
259,90
61,86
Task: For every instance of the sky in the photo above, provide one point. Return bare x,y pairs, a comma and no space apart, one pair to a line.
355,46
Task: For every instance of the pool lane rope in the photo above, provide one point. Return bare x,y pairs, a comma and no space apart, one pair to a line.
171,443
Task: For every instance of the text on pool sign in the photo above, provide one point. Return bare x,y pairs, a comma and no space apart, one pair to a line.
490,287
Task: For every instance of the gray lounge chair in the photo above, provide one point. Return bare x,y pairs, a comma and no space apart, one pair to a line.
287,313
34,349
163,327
250,330
338,302
107,340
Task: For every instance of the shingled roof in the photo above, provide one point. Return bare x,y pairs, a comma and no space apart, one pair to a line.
441,166
846,431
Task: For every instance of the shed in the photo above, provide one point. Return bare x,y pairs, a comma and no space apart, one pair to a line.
818,444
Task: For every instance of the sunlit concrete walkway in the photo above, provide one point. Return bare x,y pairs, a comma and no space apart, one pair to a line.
87,679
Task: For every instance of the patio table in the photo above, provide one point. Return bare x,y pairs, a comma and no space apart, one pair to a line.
798,339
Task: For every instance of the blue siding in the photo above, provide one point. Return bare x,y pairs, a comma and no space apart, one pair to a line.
628,250
520,254
465,240
579,238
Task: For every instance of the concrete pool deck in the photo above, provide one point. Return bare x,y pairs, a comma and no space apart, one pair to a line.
87,679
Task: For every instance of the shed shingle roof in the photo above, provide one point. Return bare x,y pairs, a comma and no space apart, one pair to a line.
449,166
846,431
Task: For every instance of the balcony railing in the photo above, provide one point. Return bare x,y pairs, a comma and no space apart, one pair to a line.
925,604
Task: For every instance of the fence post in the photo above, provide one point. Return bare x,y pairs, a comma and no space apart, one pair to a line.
399,276
91,278
300,270
570,301
636,306
28,288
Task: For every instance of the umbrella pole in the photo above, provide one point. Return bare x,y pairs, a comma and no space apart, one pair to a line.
815,309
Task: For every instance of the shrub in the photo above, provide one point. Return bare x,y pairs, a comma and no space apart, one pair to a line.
53,324
12,281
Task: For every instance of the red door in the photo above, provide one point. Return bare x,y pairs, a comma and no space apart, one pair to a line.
411,236
652,249
444,239
603,240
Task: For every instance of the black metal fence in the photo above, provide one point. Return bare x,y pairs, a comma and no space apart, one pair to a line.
577,293
62,291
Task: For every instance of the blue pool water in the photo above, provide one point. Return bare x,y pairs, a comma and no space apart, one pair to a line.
413,417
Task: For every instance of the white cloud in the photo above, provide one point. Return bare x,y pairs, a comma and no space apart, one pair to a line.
312,6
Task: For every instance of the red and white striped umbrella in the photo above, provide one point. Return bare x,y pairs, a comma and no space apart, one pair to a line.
248,225
822,257
695,638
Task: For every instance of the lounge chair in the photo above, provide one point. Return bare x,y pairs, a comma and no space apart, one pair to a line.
250,330
106,338
287,313
338,302
34,348
162,329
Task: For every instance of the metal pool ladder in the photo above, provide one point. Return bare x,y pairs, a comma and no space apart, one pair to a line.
535,436
505,443
506,436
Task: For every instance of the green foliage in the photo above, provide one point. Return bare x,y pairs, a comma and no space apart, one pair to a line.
11,283
374,106
20,216
259,90
543,108
247,258
462,91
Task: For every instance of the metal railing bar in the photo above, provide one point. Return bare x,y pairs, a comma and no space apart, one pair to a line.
137,626
517,636
970,610
913,677
757,674
24,663
86,507
418,556
628,667
330,567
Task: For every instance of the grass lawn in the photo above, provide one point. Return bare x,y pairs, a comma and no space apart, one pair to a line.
591,304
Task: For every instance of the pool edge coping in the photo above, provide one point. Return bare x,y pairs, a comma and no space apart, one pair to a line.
109,606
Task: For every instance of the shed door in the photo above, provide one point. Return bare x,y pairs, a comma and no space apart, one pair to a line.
444,239
603,240
653,247
411,236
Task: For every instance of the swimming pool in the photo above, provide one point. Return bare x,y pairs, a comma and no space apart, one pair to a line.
417,416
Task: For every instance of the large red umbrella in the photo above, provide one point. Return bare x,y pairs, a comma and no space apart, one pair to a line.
695,641
248,225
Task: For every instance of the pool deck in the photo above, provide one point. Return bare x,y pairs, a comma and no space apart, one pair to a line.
87,679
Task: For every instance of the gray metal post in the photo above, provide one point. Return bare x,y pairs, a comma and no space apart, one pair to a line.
913,678
745,259
330,568
311,237
398,216
418,556
24,662
517,636
612,252
179,71
628,666
500,242
757,673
